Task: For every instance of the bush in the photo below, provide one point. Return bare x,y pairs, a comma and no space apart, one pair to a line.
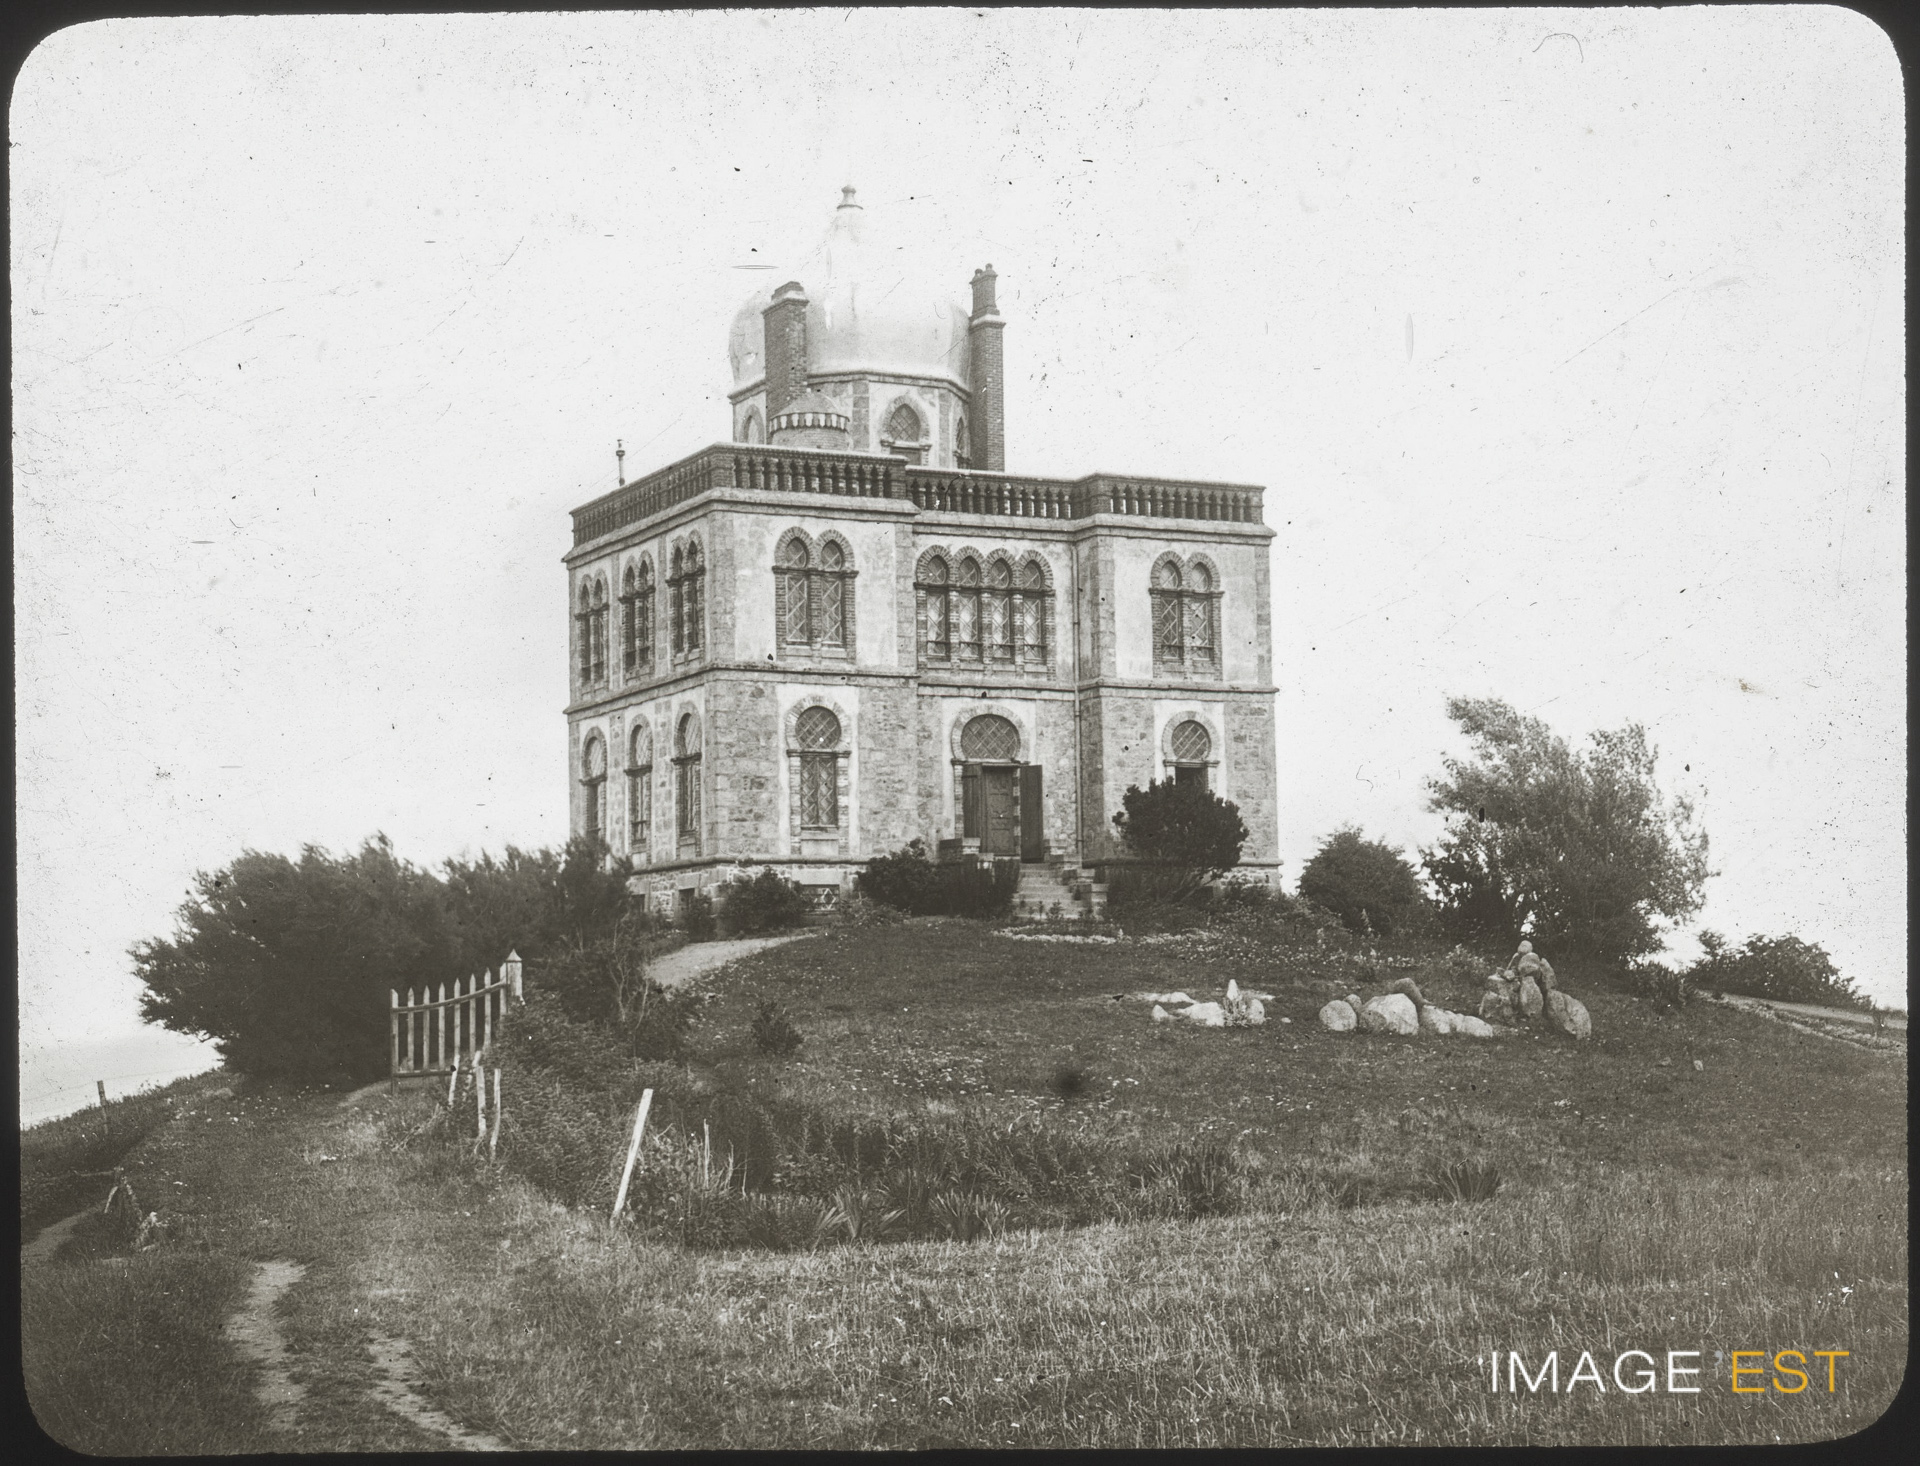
764,902
773,1032
697,919
1657,984
1785,969
1368,884
1184,834
908,881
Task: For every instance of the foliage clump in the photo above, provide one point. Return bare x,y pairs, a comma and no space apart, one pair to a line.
910,881
1181,835
773,1031
1368,884
1577,849
1785,969
764,902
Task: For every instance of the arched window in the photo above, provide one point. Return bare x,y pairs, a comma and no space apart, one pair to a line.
796,603
687,594
751,430
989,738
686,778
966,630
817,731
583,635
640,789
903,436
999,607
1191,747
1166,612
960,455
592,621
629,621
936,602
593,778
835,618
643,617
1202,650
1036,607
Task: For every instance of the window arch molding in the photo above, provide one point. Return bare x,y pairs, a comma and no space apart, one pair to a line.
986,609
687,599
894,423
1013,712
688,748
752,430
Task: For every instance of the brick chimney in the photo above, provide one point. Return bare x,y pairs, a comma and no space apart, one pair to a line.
989,428
786,345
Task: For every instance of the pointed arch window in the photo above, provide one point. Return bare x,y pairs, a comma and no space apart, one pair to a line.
591,619
686,779
640,789
751,430
904,435
593,780
961,457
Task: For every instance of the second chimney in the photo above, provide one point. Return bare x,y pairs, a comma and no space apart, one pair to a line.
989,396
786,345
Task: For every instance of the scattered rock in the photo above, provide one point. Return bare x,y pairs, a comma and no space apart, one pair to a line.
1390,1013
1179,1000
1578,1023
1530,1000
1207,1015
1161,1015
1699,1068
1664,1064
1434,1020
1407,987
1467,1026
1338,1016
1496,1005
1353,1002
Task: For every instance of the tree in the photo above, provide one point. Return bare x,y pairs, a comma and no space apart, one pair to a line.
1785,969
1186,834
287,965
1367,884
1578,850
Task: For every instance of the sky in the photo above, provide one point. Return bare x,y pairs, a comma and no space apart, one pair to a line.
1567,344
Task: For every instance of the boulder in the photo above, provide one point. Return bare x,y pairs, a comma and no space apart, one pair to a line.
1496,1005
1407,987
1435,1020
1553,1007
1353,1002
1207,1015
1530,1001
1467,1026
1161,1015
1256,1011
1391,1013
1338,1016
1574,1020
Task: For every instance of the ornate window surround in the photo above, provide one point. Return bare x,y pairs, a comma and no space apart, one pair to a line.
833,839
687,594
1008,594
593,778
687,750
636,618
1192,611
917,449
816,580
591,620
1210,722
640,788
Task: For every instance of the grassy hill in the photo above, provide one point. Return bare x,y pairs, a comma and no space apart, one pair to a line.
1755,1202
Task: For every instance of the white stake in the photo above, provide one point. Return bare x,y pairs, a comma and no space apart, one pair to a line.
633,1150
453,1079
493,1140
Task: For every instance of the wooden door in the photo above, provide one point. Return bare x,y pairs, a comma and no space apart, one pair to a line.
1002,834
1033,834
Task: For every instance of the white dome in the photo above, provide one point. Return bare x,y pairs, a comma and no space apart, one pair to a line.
866,312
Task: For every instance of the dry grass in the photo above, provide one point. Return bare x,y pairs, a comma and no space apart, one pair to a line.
1758,1204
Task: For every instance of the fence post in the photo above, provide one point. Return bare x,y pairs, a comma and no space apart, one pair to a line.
453,1079
511,969
440,1025
393,1038
486,1007
493,1141
479,1100
633,1151
407,1048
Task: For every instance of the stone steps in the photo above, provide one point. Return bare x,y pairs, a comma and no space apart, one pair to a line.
1042,887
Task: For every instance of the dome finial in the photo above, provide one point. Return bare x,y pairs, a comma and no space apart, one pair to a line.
846,198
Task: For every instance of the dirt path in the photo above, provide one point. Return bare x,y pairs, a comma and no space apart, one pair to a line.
394,1389
256,1333
47,1240
697,958
1809,1010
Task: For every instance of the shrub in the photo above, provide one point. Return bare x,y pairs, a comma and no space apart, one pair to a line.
764,902
697,919
1659,985
1185,835
905,880
1782,968
773,1032
861,910
1368,884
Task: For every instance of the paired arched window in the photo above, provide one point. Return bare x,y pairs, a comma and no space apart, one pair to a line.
640,789
1186,618
636,618
994,614
813,595
593,779
686,778
687,598
591,621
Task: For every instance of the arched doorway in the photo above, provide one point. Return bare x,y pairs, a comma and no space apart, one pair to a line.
1000,801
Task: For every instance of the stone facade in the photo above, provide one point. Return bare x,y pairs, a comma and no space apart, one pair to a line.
807,656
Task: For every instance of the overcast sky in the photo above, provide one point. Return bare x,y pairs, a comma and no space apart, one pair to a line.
1568,345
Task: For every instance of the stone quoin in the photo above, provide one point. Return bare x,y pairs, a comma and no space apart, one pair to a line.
849,627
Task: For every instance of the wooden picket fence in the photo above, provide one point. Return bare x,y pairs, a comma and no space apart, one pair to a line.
432,1035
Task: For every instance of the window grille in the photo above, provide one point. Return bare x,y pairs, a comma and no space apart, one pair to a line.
938,595
967,619
640,789
686,771
817,730
1191,743
593,771
990,738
